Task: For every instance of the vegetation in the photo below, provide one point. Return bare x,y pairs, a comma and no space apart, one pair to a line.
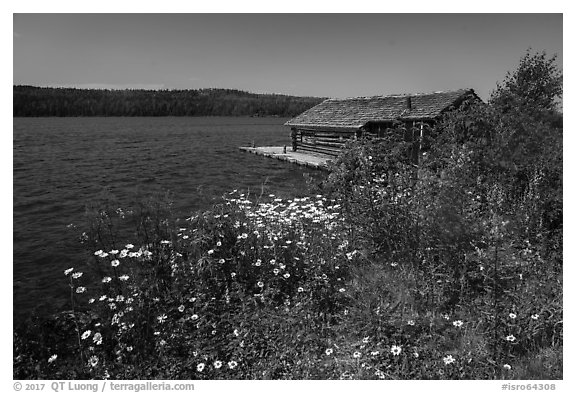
38,101
451,269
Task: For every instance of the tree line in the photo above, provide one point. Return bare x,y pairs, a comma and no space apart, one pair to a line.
31,101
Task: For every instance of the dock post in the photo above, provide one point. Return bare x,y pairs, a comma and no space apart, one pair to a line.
284,150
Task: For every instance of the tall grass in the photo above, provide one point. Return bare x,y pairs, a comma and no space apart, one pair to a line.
275,289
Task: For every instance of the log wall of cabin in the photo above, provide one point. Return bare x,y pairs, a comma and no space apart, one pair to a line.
331,142
328,142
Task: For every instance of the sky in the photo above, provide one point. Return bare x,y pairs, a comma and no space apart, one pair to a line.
322,55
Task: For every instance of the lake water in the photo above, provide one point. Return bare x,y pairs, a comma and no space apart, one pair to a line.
63,164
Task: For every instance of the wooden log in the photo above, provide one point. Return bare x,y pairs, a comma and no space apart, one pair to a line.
319,149
328,134
337,145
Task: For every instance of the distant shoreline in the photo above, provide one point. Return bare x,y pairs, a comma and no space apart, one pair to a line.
31,101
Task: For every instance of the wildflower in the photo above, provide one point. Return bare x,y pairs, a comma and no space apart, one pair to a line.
300,289
512,315
97,338
123,254
194,317
98,253
129,246
86,334
329,351
342,290
448,359
507,367
162,342
396,349
233,274
181,308
221,260
115,263
103,255
458,323
374,353
218,243
80,290
213,332
217,364
272,261
410,322
102,298
91,301
510,338
276,271
129,349
68,271
52,358
232,364
119,298
93,361
161,318
535,316
365,340
112,306
394,264
210,252
286,275
200,367
124,277
258,262
106,279
356,355
77,275
416,355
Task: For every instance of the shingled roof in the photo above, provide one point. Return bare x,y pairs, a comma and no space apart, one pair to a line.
353,113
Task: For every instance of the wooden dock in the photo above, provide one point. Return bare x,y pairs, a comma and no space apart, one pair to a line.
301,158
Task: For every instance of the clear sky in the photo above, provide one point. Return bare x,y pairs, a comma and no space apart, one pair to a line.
327,55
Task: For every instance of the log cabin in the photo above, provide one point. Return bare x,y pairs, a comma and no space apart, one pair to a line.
325,128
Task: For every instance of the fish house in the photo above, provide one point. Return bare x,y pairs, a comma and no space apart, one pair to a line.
325,128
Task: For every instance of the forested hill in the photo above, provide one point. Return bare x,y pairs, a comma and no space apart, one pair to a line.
32,101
